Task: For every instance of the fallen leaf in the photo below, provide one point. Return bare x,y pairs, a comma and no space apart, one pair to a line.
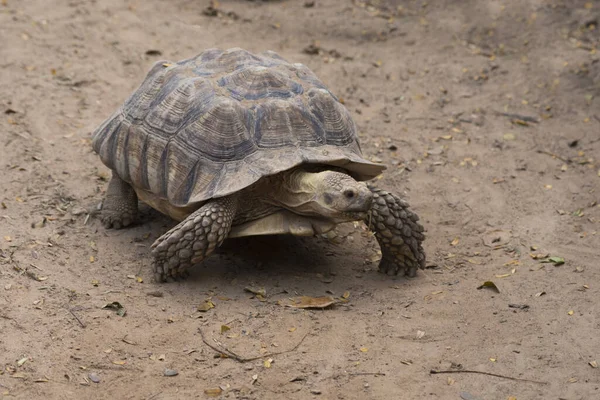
538,256
216,392
267,363
292,330
346,295
450,381
312,302
497,237
116,306
503,276
455,242
420,334
257,291
593,364
207,305
509,136
489,285
572,380
555,260
570,312
492,359
120,362
225,328
540,294
364,349
22,361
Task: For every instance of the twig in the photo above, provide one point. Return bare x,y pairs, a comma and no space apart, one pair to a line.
225,351
76,317
526,118
469,371
367,373
548,153
152,397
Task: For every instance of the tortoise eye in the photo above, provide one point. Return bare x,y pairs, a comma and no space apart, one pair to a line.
349,193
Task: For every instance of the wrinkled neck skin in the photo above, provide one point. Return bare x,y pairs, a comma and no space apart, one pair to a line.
316,194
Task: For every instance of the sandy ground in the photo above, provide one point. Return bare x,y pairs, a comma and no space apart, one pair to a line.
432,86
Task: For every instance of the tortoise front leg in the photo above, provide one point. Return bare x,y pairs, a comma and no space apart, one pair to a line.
398,232
120,206
193,239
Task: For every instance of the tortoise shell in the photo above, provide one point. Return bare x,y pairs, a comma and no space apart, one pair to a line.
216,123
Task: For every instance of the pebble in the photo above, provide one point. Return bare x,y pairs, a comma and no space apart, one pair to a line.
170,372
94,377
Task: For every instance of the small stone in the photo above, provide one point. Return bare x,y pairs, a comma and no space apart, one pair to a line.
170,372
94,377
315,391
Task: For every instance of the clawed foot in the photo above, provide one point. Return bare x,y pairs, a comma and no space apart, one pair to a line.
116,220
120,207
192,240
398,232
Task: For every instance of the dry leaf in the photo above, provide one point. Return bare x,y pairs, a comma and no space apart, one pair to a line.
225,328
489,285
346,295
312,302
570,312
257,291
593,364
292,329
207,305
364,349
455,242
120,362
497,237
267,363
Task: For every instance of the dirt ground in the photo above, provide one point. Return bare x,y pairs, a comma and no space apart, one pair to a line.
487,114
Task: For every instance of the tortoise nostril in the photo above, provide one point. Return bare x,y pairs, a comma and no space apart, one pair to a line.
349,193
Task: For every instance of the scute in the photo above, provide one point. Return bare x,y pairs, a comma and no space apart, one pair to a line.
215,123
257,82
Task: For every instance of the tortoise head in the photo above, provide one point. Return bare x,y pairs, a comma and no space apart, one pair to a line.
330,194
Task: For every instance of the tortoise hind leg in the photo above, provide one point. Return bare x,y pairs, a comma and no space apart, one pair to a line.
398,232
194,239
120,206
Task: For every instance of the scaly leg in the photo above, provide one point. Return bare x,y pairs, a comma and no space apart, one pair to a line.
193,239
120,207
398,232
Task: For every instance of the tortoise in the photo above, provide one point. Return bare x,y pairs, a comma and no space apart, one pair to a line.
231,143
